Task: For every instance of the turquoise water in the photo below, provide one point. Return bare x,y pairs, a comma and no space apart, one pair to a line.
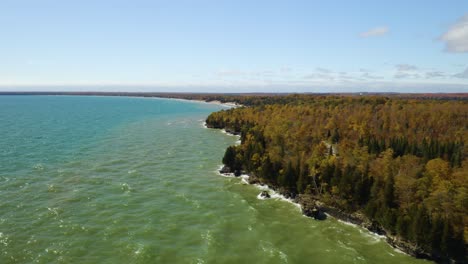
133,180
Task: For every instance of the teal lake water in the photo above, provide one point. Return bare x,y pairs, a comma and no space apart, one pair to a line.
133,180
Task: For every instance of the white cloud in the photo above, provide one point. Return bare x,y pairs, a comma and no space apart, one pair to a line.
322,70
406,67
463,74
319,76
375,32
456,38
407,71
367,75
405,75
435,74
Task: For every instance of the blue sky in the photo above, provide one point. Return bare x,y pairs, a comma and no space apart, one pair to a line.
229,46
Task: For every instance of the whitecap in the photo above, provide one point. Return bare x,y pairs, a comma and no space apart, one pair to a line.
125,187
275,195
206,236
283,256
229,134
53,210
196,203
38,167
4,240
261,197
344,246
267,248
397,250
347,223
245,178
367,233
263,187
227,175
272,251
51,188
139,249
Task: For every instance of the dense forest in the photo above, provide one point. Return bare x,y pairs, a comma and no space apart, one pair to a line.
400,162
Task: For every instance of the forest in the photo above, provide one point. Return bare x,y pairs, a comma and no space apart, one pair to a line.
399,161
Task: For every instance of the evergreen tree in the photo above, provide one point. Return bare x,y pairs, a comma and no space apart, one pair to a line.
420,226
267,169
335,137
403,225
389,192
436,235
229,158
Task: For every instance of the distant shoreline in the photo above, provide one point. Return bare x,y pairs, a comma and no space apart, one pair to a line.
171,96
215,102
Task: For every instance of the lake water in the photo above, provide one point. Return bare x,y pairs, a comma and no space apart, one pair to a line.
133,180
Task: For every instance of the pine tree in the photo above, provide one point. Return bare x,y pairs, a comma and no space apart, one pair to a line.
436,234
335,137
420,227
229,158
267,169
389,192
403,225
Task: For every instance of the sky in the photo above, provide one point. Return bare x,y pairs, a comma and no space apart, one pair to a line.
234,46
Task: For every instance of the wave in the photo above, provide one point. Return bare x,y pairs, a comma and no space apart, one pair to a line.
244,178
226,175
228,133
237,142
4,239
272,251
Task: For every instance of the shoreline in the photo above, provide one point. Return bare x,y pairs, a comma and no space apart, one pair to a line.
356,219
345,218
128,95
215,102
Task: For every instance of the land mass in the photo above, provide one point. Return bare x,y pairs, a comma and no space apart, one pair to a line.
395,165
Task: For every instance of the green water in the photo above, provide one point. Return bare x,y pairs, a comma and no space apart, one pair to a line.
133,180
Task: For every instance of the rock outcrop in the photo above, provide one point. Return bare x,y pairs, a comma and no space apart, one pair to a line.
311,207
265,194
225,170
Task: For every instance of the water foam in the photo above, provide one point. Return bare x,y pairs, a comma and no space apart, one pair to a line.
275,195
244,178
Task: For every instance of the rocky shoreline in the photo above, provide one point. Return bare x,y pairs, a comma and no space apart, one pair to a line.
312,207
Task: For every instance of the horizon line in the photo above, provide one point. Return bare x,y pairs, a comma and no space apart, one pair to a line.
216,93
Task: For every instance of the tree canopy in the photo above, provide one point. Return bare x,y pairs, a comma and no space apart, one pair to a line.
401,161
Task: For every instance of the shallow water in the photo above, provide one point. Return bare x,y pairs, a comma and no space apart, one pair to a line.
133,180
